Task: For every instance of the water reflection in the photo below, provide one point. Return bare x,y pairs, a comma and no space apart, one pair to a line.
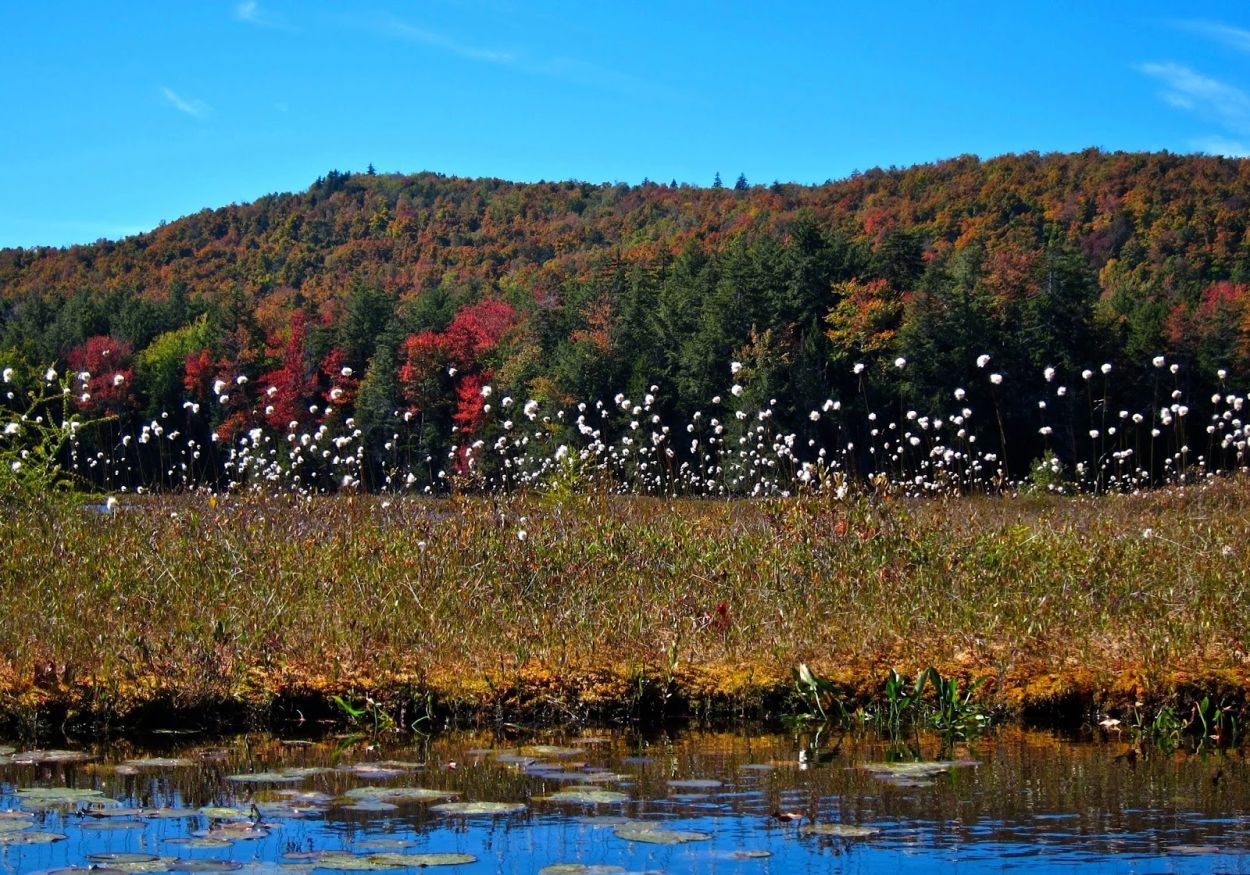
690,802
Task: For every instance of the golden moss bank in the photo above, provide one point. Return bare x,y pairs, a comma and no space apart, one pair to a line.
270,609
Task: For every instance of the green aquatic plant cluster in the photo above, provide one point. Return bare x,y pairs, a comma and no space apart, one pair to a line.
930,701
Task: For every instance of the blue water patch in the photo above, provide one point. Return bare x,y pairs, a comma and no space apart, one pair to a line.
697,802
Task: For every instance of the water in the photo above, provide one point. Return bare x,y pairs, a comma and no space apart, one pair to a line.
745,803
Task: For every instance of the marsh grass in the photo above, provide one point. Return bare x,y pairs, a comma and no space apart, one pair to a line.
616,606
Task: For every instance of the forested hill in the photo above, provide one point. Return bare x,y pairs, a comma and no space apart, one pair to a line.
426,286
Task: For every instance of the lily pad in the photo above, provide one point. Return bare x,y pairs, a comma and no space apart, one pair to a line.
72,794
206,864
660,836
695,784
748,855
587,796
373,806
580,869
283,777
399,794
375,773
909,770
122,858
160,762
117,823
471,809
199,842
423,860
161,864
222,812
5,750
603,776
169,813
234,831
30,837
14,824
549,750
841,830
402,765
346,862
41,757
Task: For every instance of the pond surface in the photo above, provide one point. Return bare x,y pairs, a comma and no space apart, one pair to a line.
606,802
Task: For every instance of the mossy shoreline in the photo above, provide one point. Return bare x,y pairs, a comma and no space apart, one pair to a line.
702,694
257,611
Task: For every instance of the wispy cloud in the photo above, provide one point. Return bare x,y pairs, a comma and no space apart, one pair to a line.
1215,100
250,12
191,107
1217,145
568,69
1234,37
403,30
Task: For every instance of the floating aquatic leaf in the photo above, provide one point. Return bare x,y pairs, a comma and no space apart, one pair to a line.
757,767
221,812
66,793
205,865
307,797
116,812
375,773
549,750
5,750
586,796
115,858
40,757
403,765
695,784
604,777
283,777
659,836
374,806
422,860
160,762
470,809
579,869
199,842
29,837
399,794
515,759
76,870
15,824
101,825
169,813
287,809
749,855
235,831
841,830
910,770
159,865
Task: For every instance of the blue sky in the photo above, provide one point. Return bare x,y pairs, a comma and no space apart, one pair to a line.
121,115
